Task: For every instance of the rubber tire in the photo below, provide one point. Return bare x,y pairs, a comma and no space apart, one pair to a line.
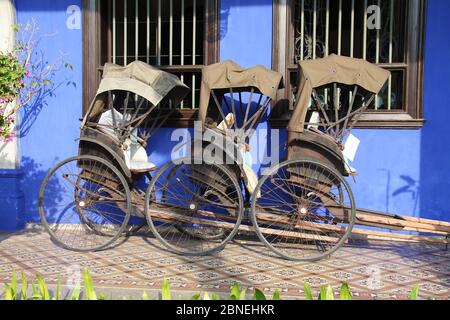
175,249
344,237
42,213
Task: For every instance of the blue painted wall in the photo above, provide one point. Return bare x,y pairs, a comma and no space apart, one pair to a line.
408,171
435,142
401,171
51,125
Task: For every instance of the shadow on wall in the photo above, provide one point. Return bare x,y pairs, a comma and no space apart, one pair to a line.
33,176
435,148
31,110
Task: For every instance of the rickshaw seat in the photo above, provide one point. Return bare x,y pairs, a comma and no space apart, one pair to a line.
136,157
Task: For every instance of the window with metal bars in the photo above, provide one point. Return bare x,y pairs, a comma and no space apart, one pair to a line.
317,28
178,36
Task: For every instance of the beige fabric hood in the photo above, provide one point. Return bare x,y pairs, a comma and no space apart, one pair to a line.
147,81
228,74
333,69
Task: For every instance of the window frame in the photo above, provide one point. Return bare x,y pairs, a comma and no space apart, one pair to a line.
411,117
95,52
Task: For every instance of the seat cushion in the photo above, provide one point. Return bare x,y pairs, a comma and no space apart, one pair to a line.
141,166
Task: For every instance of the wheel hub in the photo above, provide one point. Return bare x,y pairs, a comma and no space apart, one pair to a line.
192,206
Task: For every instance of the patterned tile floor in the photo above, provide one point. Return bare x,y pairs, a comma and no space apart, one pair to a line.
373,271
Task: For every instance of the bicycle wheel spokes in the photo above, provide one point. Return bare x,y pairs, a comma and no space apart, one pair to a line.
84,203
305,210
194,209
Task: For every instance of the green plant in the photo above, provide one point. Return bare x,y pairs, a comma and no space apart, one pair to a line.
40,291
414,295
326,292
43,289
88,287
165,291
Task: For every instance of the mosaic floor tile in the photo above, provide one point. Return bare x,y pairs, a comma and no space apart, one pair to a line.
373,270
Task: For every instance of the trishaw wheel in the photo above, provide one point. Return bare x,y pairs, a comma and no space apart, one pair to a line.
129,230
194,209
85,203
304,210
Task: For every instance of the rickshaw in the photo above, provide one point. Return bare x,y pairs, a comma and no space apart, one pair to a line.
306,210
196,205
86,201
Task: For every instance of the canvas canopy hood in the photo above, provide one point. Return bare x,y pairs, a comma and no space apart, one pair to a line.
333,69
147,81
228,74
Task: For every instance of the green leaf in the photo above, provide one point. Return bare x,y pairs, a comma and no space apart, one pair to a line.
206,296
258,295
9,295
414,292
58,288
88,287
101,296
242,294
35,292
45,294
14,284
23,292
345,292
326,293
276,295
215,297
165,293
76,293
235,291
307,290
196,296
145,296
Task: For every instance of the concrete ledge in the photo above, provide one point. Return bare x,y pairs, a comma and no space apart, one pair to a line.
11,200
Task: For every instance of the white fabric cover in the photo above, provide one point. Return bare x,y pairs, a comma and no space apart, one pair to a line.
136,157
250,177
107,124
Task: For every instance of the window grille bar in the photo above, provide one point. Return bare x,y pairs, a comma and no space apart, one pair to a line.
327,29
340,28
114,31
182,32
182,45
148,31
377,50
302,30
136,31
158,53
365,31
125,31
194,29
171,33
352,30
352,38
391,35
377,53
314,28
